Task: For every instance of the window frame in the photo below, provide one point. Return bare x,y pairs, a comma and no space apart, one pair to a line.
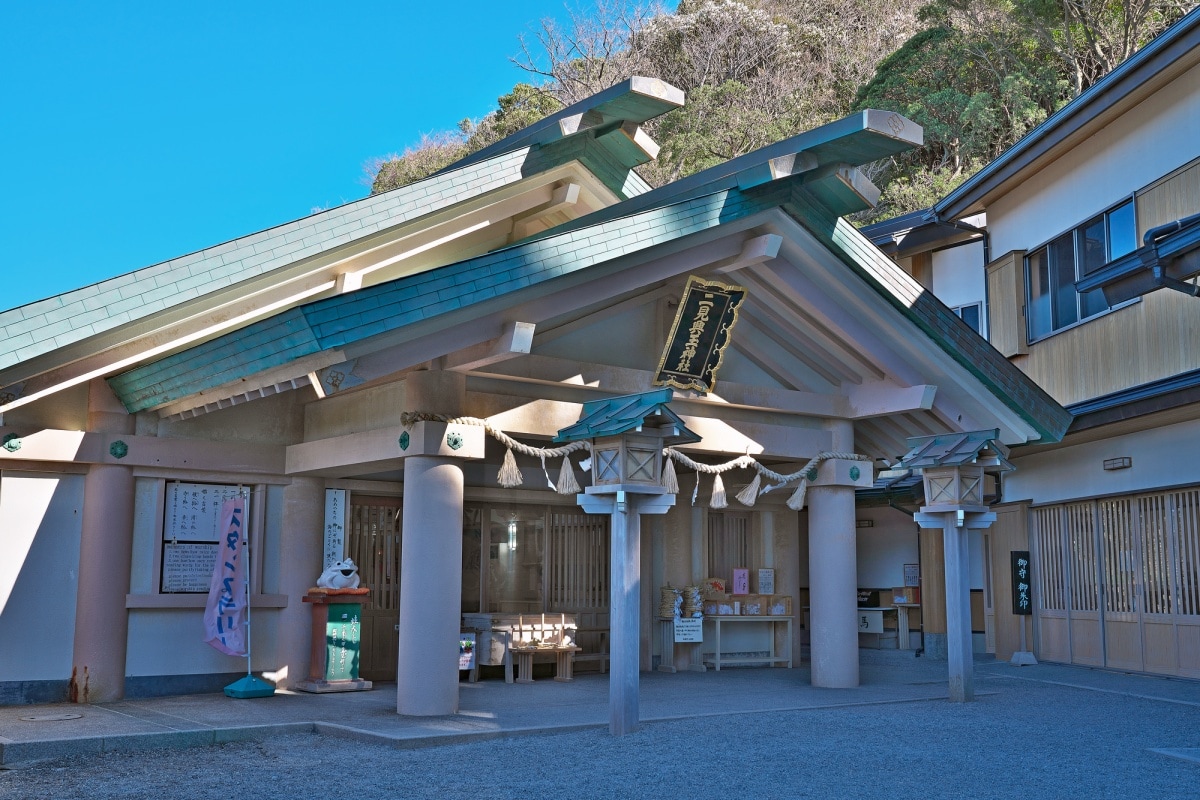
1045,251
978,306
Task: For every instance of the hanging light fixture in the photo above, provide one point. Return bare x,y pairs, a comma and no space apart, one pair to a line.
512,533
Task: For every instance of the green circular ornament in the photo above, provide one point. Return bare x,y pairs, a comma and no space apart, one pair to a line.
854,473
811,475
455,440
405,440
118,449
12,443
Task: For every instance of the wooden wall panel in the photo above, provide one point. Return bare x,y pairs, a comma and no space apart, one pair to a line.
933,580
1009,532
1174,197
1150,339
1006,303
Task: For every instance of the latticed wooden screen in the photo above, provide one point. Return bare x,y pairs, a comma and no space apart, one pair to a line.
578,568
729,544
374,544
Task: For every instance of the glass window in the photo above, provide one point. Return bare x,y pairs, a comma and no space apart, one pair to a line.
1052,270
1062,276
1122,231
970,314
1039,293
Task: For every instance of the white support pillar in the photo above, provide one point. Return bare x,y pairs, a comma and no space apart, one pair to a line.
626,509
430,587
431,545
832,587
960,657
299,567
105,553
833,563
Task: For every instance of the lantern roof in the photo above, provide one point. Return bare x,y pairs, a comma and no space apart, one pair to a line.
975,448
646,412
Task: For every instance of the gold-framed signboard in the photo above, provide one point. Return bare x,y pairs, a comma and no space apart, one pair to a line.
707,313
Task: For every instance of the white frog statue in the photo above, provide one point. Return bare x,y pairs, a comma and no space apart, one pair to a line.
340,575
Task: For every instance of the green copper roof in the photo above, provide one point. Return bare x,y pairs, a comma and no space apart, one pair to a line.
617,415
982,448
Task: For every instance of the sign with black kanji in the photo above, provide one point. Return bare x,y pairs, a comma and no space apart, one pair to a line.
707,313
1022,583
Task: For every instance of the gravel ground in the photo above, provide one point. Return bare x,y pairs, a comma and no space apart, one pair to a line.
1018,739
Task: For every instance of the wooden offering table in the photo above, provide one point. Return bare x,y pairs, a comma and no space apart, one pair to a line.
564,658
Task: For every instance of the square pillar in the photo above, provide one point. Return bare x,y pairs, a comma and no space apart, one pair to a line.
625,509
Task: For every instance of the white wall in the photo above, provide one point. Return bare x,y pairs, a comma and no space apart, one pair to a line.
958,277
39,573
170,641
1161,457
885,548
1146,143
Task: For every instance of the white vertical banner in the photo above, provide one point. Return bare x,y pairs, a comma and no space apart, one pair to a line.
335,527
225,613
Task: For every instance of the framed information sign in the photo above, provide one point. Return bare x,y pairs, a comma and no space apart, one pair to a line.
191,522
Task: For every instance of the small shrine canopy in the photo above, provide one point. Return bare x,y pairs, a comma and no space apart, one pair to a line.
978,448
632,412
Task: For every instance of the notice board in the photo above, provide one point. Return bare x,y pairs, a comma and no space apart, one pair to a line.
191,523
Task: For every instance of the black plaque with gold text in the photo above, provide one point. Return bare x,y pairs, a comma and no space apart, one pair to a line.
707,313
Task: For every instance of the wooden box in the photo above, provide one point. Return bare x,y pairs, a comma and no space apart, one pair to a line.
779,605
719,608
754,605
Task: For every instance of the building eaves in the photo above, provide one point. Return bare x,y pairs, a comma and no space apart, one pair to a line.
1173,51
957,339
338,321
854,140
41,327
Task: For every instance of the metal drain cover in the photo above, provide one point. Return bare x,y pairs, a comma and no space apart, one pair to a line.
51,717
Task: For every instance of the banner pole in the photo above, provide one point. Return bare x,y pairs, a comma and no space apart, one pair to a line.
248,686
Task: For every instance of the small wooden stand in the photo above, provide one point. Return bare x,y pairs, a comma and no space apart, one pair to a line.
341,637
563,668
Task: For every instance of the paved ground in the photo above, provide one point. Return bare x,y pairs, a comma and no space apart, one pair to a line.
1044,731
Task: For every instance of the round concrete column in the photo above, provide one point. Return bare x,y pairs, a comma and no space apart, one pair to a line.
832,587
430,587
299,567
833,575
105,554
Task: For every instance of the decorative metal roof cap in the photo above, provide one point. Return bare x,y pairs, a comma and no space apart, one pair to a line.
976,448
646,412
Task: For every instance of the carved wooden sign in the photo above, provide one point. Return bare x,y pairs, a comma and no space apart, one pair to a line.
696,345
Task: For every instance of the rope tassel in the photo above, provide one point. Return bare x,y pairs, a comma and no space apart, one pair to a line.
670,481
748,495
509,476
566,478
796,501
718,494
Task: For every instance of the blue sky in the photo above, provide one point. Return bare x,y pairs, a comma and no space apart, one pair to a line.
135,131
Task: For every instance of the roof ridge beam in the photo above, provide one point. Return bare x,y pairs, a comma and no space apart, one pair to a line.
631,101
